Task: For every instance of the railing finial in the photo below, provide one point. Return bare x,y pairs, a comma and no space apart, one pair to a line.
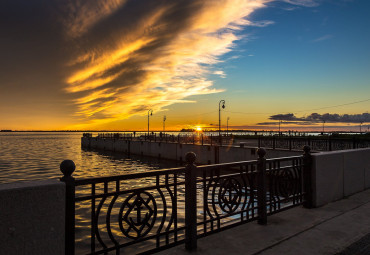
306,149
261,152
67,167
190,157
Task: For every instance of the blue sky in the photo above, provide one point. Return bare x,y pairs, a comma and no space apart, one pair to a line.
326,45
103,65
308,58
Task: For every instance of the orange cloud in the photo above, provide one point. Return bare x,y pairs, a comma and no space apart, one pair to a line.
159,55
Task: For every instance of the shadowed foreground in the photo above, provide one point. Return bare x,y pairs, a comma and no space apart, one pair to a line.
326,230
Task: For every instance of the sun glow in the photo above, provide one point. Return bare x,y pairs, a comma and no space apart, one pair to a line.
198,129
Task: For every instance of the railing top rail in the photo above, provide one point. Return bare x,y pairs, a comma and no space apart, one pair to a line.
231,164
153,173
283,158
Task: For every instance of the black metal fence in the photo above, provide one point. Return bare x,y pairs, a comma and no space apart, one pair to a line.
148,212
316,143
196,138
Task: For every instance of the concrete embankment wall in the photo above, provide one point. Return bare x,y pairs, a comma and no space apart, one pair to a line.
206,154
32,218
339,174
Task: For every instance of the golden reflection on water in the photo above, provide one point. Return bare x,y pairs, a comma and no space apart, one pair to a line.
29,156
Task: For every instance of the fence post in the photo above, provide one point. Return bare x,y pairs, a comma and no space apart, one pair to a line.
354,143
307,175
259,142
261,188
190,202
67,167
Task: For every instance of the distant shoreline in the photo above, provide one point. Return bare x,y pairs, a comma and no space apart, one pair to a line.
175,131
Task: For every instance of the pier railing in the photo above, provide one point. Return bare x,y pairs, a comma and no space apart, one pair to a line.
315,143
148,212
196,138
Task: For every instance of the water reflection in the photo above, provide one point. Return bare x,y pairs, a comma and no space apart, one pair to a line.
27,156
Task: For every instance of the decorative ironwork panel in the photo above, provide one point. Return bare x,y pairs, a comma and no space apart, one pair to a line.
146,212
228,196
363,144
284,183
130,214
266,142
298,143
282,142
319,145
341,144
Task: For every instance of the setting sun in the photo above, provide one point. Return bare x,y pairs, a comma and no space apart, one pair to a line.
198,129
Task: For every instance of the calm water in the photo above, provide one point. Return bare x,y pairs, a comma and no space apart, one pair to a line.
26,156
37,156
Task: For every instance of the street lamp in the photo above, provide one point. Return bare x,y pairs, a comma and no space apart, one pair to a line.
219,118
150,113
279,126
164,126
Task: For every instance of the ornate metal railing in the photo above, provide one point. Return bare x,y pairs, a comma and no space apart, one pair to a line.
196,138
148,212
316,144
284,183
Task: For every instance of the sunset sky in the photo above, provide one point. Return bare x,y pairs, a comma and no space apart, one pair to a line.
93,65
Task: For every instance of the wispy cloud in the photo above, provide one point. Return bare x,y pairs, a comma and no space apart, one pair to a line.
149,55
306,3
261,23
322,38
220,73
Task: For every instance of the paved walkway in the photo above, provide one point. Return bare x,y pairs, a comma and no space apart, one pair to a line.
341,228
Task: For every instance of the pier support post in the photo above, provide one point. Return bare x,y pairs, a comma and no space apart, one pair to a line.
190,202
307,177
67,167
261,188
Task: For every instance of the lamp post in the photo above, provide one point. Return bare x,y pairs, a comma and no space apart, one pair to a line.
164,125
279,126
219,118
150,113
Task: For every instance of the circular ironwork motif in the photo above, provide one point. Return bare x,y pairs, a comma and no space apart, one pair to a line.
137,215
340,145
229,195
319,145
285,183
